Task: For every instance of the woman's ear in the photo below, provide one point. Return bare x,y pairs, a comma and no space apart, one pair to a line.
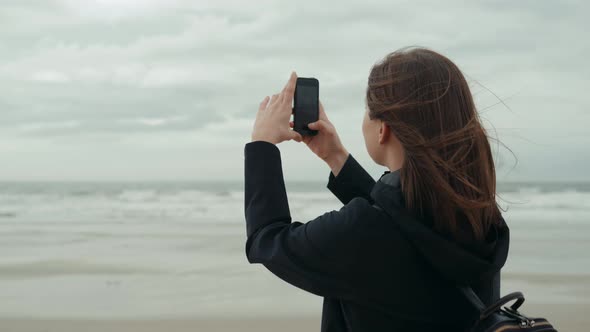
384,132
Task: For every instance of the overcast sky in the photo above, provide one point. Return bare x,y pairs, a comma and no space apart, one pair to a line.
168,90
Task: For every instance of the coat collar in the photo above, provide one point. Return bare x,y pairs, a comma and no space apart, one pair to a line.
391,178
387,192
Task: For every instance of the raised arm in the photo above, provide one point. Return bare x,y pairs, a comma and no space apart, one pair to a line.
347,177
316,256
350,181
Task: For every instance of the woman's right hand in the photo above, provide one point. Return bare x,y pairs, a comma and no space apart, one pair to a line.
326,144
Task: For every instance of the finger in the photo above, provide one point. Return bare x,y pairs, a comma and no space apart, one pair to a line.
281,98
263,103
307,139
273,99
289,89
320,125
291,124
291,82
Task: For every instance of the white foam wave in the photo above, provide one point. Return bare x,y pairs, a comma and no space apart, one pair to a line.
167,205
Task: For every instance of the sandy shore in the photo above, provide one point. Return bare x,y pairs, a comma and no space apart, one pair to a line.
290,324
567,317
110,259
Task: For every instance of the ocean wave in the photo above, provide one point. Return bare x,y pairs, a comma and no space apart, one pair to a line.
562,200
223,206
138,196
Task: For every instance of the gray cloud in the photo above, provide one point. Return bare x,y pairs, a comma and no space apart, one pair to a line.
171,81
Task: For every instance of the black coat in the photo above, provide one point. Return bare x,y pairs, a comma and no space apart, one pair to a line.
373,276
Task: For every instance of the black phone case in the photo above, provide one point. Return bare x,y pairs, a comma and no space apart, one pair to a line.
302,128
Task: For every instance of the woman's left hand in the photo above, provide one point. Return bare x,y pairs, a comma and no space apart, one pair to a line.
272,119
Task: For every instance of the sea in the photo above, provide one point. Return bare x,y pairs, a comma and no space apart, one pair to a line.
177,249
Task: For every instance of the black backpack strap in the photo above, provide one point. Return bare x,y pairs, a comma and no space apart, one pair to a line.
472,297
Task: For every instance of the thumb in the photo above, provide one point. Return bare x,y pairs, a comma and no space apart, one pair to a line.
318,125
296,136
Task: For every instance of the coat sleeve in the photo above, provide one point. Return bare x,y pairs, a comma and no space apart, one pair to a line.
315,256
352,181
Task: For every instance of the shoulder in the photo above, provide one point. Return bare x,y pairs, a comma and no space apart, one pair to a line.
353,225
351,216
348,225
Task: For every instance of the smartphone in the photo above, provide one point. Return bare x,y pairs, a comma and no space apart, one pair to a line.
306,107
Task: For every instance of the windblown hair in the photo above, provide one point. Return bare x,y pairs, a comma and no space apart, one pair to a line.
448,176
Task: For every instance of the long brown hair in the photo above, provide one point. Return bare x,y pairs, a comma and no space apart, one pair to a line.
448,176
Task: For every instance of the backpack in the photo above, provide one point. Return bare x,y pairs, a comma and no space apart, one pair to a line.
498,317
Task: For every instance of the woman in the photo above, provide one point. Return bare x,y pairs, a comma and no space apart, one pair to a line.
375,275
